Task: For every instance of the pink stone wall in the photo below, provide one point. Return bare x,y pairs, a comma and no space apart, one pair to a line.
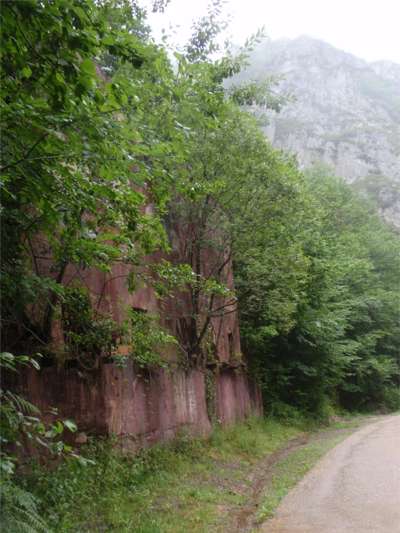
138,406
236,397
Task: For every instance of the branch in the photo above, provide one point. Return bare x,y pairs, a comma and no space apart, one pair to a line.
224,313
15,163
229,304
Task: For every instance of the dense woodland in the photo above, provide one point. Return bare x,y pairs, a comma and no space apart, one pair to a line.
96,122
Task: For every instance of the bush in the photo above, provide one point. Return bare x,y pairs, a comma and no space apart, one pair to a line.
20,510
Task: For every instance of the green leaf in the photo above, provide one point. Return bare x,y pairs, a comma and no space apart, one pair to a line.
26,72
69,424
88,68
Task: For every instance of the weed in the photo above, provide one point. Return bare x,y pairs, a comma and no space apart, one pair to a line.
180,486
189,484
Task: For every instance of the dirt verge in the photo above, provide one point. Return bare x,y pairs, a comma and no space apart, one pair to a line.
243,519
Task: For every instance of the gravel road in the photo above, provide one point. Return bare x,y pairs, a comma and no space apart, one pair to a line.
355,488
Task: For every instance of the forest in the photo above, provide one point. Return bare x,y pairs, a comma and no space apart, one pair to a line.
97,124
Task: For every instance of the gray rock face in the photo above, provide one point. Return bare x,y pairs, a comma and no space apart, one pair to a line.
345,112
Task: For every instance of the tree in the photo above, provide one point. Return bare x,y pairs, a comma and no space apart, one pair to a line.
337,347
81,154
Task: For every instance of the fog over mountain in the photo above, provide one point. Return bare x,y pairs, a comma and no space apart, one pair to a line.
345,113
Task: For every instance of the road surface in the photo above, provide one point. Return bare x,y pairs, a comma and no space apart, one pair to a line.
355,488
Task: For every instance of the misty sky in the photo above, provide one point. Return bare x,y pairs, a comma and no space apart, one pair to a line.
369,29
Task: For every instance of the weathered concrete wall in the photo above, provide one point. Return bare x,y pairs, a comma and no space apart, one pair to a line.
138,406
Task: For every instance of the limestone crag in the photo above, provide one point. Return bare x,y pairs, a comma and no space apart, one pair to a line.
345,112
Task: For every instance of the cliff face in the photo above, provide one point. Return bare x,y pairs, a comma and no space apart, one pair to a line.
142,407
145,405
345,112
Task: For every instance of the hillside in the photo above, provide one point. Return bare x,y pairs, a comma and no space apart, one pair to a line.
344,112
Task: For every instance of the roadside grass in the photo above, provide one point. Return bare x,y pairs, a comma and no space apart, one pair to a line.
291,469
196,485
186,485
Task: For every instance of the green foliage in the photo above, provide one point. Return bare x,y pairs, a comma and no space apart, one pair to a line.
21,425
20,510
147,339
97,125
79,145
336,341
171,487
88,336
91,336
20,420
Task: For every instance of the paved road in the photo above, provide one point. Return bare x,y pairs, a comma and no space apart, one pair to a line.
355,488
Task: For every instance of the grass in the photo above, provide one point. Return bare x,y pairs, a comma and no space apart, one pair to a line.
187,485
290,470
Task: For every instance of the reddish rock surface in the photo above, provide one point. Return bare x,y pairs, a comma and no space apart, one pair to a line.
138,406
145,406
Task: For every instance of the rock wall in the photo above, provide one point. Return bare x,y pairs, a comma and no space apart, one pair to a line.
141,407
344,113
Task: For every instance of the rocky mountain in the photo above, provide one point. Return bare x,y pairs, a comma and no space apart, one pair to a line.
344,112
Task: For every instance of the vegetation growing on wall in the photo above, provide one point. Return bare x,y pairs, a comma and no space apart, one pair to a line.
70,197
